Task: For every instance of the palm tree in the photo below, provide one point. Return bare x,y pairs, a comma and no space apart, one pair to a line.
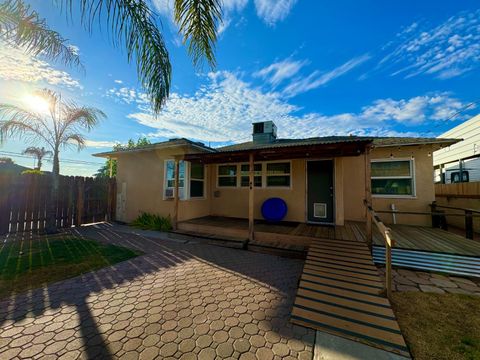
39,153
133,26
61,127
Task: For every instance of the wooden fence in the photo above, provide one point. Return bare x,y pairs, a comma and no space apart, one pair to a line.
25,201
469,190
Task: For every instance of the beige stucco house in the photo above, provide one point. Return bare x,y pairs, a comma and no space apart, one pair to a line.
323,180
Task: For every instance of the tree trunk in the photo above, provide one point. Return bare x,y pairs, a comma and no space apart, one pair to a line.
51,226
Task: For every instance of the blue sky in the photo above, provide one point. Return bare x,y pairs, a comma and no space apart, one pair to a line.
315,68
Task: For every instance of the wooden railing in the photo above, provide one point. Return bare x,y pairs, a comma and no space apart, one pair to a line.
468,213
386,232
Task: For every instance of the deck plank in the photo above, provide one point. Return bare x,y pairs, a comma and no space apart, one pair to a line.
341,294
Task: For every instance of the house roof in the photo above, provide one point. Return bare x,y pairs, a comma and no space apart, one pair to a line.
286,143
157,146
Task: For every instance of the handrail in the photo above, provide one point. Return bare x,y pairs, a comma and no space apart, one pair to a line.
386,232
400,212
455,208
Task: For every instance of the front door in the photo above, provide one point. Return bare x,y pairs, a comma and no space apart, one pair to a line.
320,193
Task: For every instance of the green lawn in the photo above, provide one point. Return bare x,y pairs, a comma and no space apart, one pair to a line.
439,326
31,263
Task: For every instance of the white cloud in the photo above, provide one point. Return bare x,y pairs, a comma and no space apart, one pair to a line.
100,144
118,81
16,65
280,71
272,11
224,109
317,78
444,51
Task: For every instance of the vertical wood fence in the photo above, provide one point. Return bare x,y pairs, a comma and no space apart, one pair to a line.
25,201
468,190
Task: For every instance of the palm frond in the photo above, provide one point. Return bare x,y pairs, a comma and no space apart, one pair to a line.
198,21
22,26
22,124
38,152
133,25
73,139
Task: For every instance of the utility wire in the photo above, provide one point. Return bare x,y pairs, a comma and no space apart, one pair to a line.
69,161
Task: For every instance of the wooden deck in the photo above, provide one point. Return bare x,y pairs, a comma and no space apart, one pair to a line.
339,293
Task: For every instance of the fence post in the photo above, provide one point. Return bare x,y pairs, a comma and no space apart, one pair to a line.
388,263
5,183
468,224
80,200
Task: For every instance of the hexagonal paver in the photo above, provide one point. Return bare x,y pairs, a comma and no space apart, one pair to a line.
178,300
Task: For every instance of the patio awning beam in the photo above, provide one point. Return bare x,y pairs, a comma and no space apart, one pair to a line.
281,153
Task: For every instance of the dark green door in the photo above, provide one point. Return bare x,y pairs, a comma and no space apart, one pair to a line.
320,191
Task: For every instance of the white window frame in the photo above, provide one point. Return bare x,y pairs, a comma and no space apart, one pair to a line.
412,176
186,182
204,180
262,164
228,176
264,175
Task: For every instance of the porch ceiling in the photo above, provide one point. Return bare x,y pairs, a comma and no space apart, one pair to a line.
282,153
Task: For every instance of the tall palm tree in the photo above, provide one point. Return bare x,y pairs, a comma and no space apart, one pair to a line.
133,25
39,153
60,127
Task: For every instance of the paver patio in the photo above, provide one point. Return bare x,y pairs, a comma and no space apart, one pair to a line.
179,300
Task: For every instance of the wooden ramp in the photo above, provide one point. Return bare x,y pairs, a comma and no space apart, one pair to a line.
339,293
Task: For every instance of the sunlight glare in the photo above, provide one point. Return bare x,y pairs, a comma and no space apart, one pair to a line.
36,103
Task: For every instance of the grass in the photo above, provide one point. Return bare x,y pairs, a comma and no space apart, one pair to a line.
30,264
439,326
148,221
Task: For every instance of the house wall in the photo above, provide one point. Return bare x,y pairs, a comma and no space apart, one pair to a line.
354,190
234,201
140,179
140,182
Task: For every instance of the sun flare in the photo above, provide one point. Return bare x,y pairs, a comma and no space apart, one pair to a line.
36,103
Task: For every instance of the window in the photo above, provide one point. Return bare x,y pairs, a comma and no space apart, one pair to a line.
197,180
227,175
392,177
278,174
170,179
257,178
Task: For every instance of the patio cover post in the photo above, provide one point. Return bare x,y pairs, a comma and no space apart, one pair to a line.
368,196
251,187
175,195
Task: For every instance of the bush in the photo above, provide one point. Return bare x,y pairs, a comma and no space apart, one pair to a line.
148,221
33,171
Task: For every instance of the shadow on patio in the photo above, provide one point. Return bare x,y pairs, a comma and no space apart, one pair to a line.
175,293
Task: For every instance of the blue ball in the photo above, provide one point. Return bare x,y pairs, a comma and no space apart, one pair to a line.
274,209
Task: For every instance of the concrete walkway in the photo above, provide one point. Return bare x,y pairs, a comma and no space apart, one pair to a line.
179,300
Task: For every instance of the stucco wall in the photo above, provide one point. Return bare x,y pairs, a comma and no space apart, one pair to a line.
143,176
234,201
354,189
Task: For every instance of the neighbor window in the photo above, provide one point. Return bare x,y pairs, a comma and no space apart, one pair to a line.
278,174
227,175
392,177
170,179
257,179
197,180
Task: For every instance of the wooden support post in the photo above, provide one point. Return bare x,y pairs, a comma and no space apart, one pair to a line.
469,224
251,198
388,263
368,198
176,194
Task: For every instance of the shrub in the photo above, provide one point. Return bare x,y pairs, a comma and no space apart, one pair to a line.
148,221
33,171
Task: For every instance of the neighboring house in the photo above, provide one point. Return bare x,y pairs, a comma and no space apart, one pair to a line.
322,179
459,162
8,167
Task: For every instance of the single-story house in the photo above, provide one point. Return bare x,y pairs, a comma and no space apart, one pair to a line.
323,180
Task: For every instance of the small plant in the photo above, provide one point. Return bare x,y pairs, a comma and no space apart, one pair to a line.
148,221
33,171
